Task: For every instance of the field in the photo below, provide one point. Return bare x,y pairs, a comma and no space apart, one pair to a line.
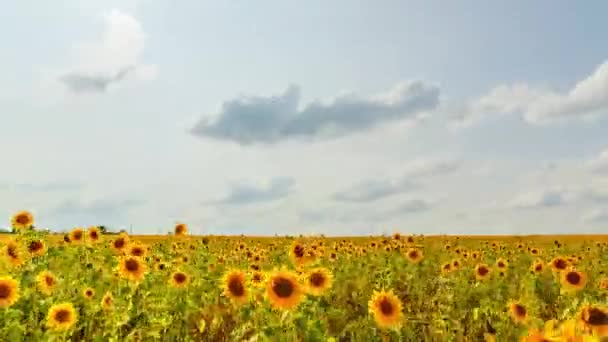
87,286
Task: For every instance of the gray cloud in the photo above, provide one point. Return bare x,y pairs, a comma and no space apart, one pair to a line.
541,199
89,83
373,190
247,194
55,186
599,165
267,120
72,213
410,206
595,216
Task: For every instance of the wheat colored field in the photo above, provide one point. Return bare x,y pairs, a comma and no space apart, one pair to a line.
89,286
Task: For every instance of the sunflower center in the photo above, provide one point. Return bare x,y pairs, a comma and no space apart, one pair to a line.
519,310
573,278
77,235
119,243
89,293
317,279
49,280
413,255
597,317
63,316
93,235
501,264
132,265
5,291
482,271
235,286
137,251
283,287
22,219
35,246
560,264
538,268
12,251
386,307
179,278
298,251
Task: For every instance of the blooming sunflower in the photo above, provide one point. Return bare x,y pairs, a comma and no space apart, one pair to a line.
46,281
482,271
93,235
22,220
414,255
518,312
257,279
235,287
107,302
12,253
61,317
179,279
120,243
559,264
537,267
9,292
88,293
318,281
595,318
501,264
386,309
76,235
132,268
573,279
137,250
283,290
36,247
181,229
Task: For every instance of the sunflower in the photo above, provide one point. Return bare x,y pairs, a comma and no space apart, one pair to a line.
161,266
446,268
77,234
482,271
12,253
107,302
283,290
61,317
120,243
93,235
386,309
297,252
88,293
559,264
179,279
603,284
456,264
517,311
537,267
595,318
36,247
46,282
318,281
573,280
414,255
501,264
137,250
257,279
181,229
235,287
132,268
22,220
9,292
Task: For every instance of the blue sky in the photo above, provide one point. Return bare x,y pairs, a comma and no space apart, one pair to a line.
349,117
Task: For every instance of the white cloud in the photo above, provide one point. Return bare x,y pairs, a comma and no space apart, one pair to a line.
600,164
586,99
542,199
595,216
114,57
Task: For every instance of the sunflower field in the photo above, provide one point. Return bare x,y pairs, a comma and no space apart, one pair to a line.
89,286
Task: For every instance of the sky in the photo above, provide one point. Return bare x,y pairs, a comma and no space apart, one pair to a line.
338,118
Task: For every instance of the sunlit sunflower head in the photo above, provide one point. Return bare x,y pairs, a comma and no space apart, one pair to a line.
297,253
572,279
518,312
446,268
22,220
77,235
595,318
179,279
12,253
283,290
537,267
107,302
386,309
120,244
559,264
61,317
603,283
46,281
318,281
181,229
9,292
501,264
456,264
36,247
482,271
257,279
88,293
132,268
414,255
93,235
137,250
235,286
